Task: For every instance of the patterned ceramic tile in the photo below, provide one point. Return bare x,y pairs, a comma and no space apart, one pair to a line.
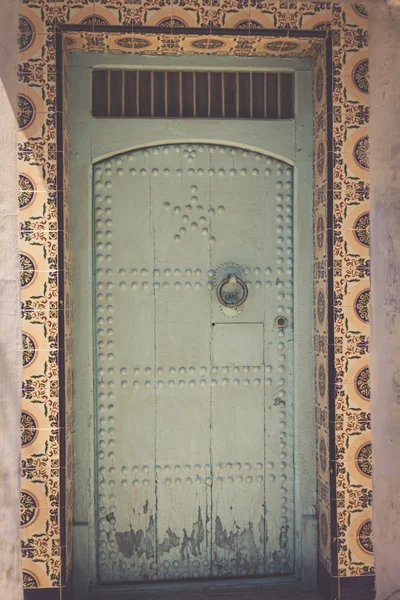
355,538
43,572
321,303
180,18
325,535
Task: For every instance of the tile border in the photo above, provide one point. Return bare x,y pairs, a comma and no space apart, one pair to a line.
339,346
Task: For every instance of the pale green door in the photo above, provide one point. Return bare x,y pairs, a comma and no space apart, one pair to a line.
193,398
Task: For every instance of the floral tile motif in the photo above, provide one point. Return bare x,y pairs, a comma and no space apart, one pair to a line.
180,18
43,572
355,539
325,535
38,495
354,465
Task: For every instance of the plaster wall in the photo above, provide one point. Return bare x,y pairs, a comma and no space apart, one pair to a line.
385,258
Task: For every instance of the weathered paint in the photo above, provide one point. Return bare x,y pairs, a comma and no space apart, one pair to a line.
188,416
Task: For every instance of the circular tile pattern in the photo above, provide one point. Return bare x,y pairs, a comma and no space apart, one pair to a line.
361,229
364,536
28,349
321,306
363,383
26,33
94,20
26,111
172,23
29,505
281,46
28,269
26,191
323,26
321,380
133,42
361,152
320,232
207,44
361,305
360,76
360,9
319,84
246,24
324,529
29,580
29,429
320,158
322,454
364,459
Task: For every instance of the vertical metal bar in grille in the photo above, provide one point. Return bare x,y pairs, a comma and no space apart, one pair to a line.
209,94
166,92
223,93
173,94
287,99
194,95
251,95
229,91
244,95
237,96
180,95
123,95
152,93
265,95
216,95
99,93
115,109
272,95
108,93
202,94
258,100
158,92
187,94
145,93
279,95
137,93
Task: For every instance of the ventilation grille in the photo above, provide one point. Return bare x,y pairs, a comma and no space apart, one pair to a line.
198,94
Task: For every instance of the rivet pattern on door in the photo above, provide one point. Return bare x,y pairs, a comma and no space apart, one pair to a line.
194,429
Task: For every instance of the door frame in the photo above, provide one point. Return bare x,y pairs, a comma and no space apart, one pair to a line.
300,155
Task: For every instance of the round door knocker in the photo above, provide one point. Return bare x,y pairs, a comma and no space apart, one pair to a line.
232,291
